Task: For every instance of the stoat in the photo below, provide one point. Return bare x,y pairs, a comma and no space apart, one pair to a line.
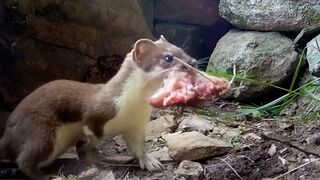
63,113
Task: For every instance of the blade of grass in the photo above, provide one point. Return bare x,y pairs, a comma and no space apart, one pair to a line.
238,78
273,106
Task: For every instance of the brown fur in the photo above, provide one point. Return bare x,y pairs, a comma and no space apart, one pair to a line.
31,131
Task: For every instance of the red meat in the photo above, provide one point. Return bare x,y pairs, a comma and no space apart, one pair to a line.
182,87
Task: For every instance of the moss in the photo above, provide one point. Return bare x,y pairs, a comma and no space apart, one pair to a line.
312,18
238,21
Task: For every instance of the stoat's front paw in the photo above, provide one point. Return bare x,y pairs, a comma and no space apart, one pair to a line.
90,156
93,157
150,163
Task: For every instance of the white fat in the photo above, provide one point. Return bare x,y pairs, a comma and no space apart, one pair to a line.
66,136
133,107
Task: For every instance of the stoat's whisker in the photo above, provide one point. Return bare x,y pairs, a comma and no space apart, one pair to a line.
193,69
200,63
206,59
157,75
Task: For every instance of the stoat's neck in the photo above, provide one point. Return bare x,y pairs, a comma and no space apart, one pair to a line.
127,84
115,84
133,91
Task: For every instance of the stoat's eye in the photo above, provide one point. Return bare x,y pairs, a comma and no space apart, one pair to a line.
168,58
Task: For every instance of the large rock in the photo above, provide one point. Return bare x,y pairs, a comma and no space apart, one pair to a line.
189,37
3,120
313,56
263,56
147,7
94,28
162,154
86,40
196,123
4,54
194,145
200,12
278,15
162,125
225,132
37,63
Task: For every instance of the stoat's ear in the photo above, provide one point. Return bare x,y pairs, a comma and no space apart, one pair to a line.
163,38
143,49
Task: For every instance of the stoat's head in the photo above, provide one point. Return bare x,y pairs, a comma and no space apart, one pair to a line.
157,58
154,56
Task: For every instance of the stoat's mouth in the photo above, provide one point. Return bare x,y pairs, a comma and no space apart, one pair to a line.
181,87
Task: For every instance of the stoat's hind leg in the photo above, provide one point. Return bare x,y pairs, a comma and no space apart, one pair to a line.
28,163
135,143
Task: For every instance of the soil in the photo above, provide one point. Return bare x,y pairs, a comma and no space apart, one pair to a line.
266,148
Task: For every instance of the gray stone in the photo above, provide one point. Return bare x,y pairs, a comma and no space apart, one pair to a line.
94,28
252,136
225,132
189,37
314,139
161,154
162,125
189,170
195,123
263,56
96,174
313,56
278,15
194,145
199,12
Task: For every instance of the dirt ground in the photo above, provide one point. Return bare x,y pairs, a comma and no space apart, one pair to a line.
265,148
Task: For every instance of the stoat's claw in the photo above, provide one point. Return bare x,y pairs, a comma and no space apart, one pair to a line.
150,163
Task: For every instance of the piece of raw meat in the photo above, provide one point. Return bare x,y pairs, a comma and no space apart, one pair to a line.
182,87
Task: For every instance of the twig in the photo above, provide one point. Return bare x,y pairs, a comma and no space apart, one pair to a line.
231,168
294,169
234,73
118,165
299,36
318,47
278,138
127,175
129,165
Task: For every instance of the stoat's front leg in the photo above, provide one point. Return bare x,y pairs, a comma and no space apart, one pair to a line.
87,147
134,140
87,152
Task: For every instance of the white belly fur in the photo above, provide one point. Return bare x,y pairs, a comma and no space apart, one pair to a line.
133,108
66,136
